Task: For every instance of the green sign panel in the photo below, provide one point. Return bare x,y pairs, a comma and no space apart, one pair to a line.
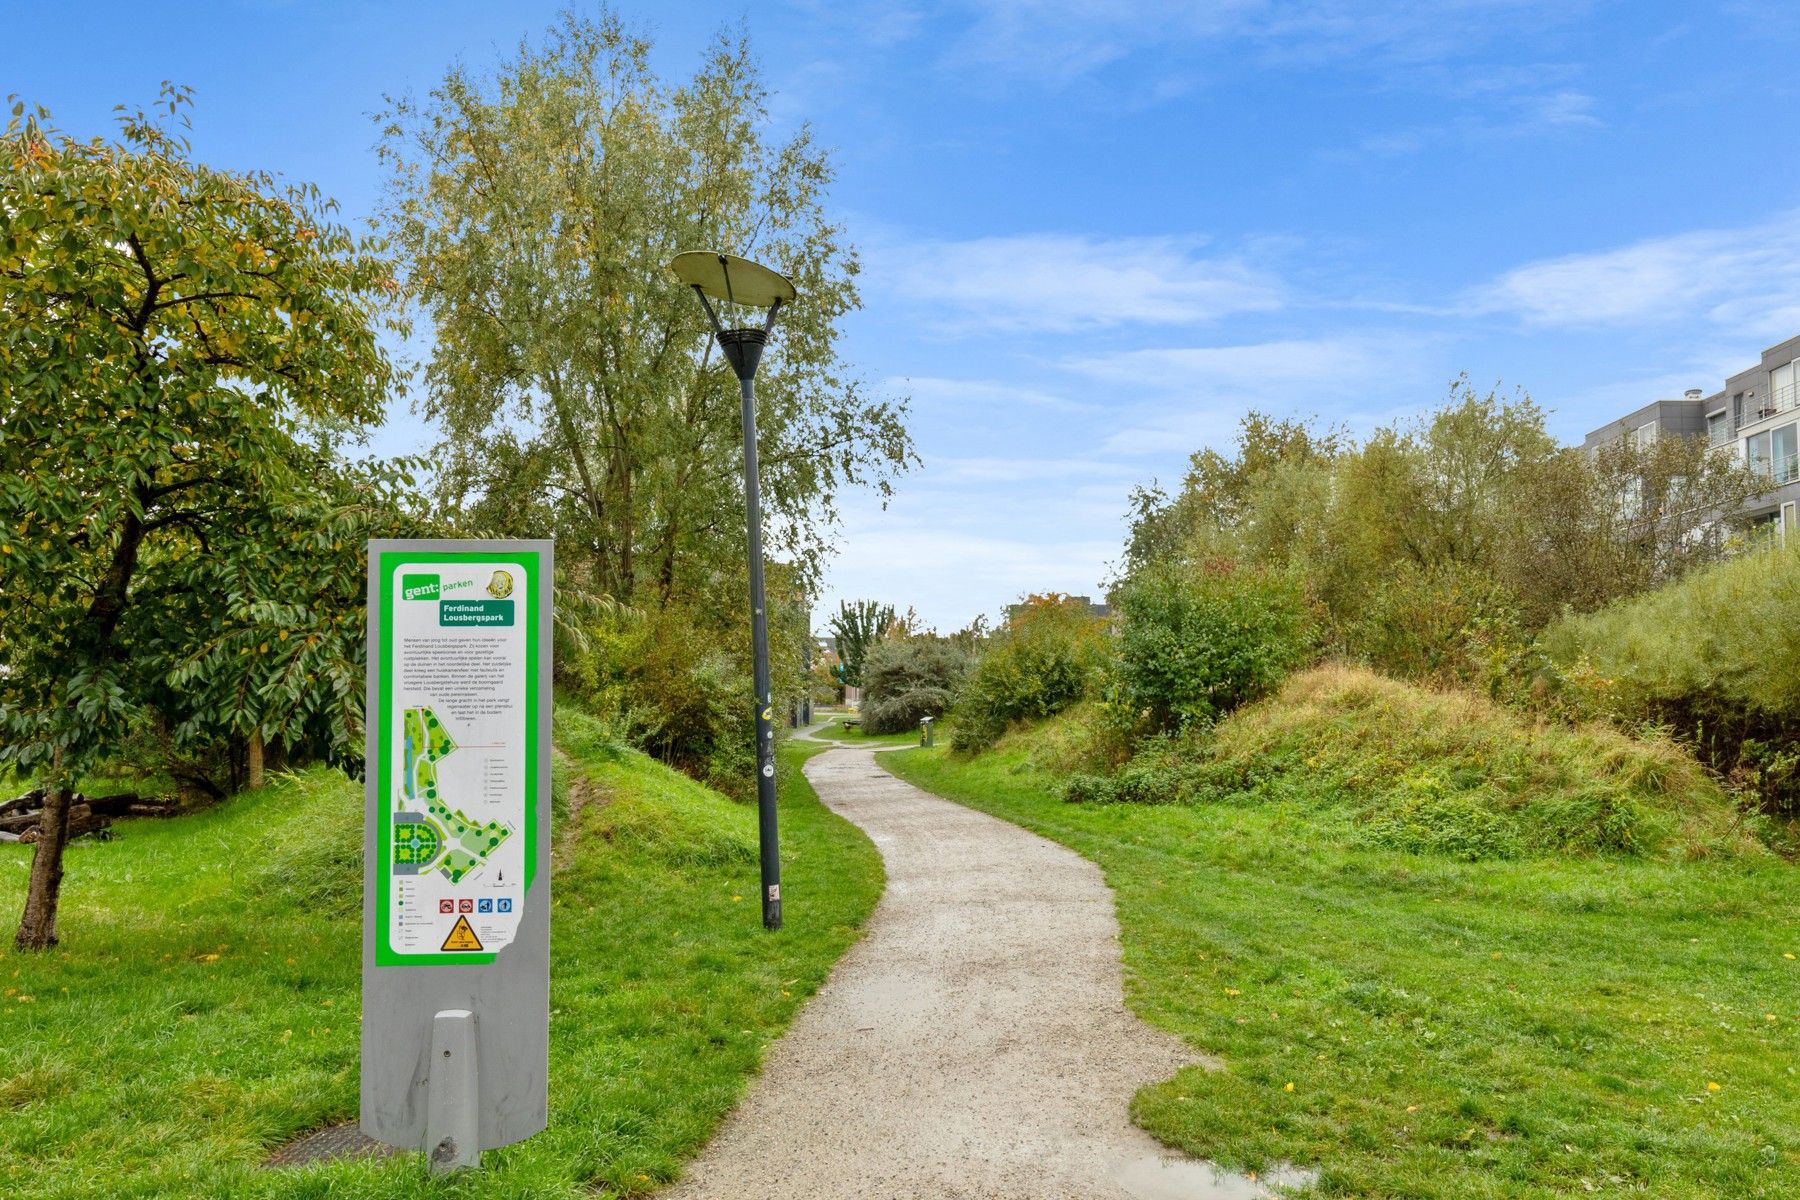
456,755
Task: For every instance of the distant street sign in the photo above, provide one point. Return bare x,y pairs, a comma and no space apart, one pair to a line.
456,895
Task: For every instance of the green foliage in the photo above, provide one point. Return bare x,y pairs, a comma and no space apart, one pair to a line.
171,338
277,635
588,735
1438,548
662,681
856,626
572,374
1050,655
1710,656
908,678
1231,494
1452,625
1196,643
1438,772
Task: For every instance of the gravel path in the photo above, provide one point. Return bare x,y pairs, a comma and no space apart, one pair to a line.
975,1043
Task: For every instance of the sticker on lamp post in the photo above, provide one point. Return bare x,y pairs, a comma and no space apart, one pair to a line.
456,906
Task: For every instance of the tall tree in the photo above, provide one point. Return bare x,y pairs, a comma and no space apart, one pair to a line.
856,627
572,376
169,333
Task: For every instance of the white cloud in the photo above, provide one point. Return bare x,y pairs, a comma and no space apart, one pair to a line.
1060,283
1489,103
1748,278
988,469
980,393
1259,367
1196,395
1564,108
1056,42
1393,32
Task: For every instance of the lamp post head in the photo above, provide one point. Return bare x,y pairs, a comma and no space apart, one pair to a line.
735,280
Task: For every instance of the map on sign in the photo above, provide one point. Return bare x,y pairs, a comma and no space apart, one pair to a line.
457,772
429,835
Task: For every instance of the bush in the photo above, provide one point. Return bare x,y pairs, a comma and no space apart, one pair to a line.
1050,655
664,684
907,679
1197,643
1449,625
1437,772
1711,657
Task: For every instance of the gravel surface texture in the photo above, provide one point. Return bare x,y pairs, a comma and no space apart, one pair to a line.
975,1042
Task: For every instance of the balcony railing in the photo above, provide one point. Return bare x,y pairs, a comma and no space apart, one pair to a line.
1784,470
1778,401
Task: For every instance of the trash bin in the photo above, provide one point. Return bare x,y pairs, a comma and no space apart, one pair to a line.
925,731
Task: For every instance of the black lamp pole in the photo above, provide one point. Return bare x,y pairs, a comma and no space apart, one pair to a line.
743,350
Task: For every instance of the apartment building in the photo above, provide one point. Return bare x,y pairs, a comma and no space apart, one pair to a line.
1755,416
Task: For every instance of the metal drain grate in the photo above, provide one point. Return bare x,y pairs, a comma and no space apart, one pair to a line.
329,1143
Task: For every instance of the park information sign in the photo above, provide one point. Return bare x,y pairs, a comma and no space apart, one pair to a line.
456,890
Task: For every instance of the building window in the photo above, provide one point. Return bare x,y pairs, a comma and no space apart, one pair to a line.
1756,449
1781,389
1643,435
1718,428
1782,456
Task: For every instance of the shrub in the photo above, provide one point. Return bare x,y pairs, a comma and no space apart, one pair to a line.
663,684
906,679
1438,772
1711,657
1051,654
1196,643
1441,625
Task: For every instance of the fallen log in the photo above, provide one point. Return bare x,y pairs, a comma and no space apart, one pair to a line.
34,799
112,806
82,821
20,818
19,823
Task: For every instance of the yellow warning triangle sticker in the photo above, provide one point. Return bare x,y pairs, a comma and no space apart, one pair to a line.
462,936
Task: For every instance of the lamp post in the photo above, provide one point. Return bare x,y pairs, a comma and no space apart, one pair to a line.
738,281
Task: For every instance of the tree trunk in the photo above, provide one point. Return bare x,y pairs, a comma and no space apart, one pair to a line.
253,770
91,643
37,927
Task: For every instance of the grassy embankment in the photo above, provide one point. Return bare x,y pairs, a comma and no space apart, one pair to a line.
1515,1022
203,1007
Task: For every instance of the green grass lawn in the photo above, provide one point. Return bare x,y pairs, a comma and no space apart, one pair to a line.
203,1007
1419,1027
835,731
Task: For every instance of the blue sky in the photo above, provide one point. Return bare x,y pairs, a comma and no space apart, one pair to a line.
1096,232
